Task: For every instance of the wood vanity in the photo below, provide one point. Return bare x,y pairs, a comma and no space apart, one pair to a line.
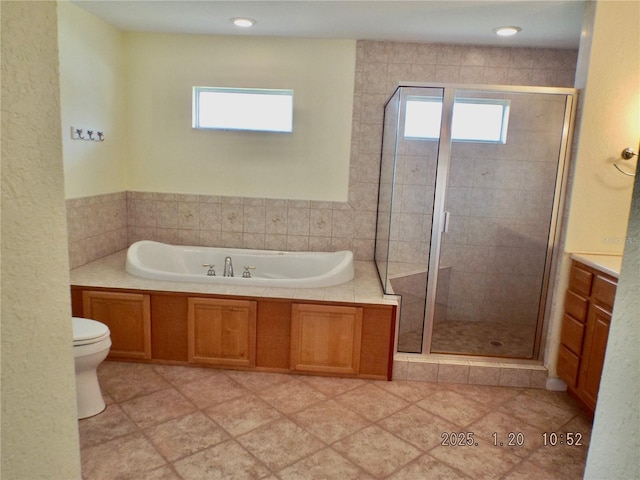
348,339
585,328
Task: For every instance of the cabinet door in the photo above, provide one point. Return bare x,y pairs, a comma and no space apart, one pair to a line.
595,345
128,317
222,332
326,338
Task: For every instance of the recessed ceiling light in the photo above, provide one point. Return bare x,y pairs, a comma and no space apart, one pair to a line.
243,22
507,31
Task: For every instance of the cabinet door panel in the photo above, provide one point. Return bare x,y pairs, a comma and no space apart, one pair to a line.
222,332
595,345
128,317
326,338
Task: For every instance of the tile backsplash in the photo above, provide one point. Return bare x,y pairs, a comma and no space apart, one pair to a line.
104,224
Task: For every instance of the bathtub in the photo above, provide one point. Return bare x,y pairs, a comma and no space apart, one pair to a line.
160,261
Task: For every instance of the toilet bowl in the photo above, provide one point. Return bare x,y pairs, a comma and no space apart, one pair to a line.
91,343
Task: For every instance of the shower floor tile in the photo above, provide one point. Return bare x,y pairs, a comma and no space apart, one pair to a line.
343,429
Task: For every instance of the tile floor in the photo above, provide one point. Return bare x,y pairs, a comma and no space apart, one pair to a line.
170,422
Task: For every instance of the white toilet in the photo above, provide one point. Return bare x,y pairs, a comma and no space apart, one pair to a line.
91,343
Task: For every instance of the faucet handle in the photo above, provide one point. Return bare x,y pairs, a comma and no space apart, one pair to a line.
211,272
247,273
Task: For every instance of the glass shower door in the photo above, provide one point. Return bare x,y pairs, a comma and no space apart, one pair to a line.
405,204
497,222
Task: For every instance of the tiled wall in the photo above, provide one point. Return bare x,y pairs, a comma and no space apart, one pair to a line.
258,223
97,225
381,66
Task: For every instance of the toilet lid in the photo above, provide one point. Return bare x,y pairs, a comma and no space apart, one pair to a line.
88,331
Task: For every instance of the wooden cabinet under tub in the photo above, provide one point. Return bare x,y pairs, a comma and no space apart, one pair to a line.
128,317
585,331
250,333
222,332
326,338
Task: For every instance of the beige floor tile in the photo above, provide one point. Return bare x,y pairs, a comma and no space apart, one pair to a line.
545,416
292,396
454,407
371,402
177,375
563,460
212,390
123,381
162,473
281,430
492,396
528,471
326,464
410,391
184,436
157,407
257,381
427,467
332,386
280,444
329,421
109,424
243,414
561,400
507,430
376,451
418,427
121,458
226,460
478,462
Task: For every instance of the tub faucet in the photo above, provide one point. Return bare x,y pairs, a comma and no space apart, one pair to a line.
228,267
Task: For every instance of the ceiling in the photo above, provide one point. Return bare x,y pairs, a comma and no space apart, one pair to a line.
552,24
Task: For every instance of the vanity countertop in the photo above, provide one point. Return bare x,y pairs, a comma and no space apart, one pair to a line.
110,272
609,264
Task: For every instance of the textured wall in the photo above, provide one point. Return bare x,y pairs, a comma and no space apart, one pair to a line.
39,427
615,443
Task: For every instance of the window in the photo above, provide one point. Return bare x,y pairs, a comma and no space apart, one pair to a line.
254,109
474,119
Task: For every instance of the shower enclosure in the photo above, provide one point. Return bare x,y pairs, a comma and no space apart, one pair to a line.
470,183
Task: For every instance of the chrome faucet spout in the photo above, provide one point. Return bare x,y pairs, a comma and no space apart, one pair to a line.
228,267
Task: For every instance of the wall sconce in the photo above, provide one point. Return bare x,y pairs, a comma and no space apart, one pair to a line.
626,154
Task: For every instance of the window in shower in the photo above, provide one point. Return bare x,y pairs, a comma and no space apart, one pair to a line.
264,110
474,119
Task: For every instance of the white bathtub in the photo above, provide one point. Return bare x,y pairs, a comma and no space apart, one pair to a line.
160,261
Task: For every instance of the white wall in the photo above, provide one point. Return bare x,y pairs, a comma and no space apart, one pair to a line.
609,122
92,96
164,154
39,426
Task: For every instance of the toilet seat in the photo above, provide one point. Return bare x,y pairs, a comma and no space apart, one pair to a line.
86,331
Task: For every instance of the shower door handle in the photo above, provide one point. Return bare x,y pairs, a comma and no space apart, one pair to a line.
445,222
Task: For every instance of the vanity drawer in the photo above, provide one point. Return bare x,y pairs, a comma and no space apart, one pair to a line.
572,334
568,364
580,280
604,291
576,306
